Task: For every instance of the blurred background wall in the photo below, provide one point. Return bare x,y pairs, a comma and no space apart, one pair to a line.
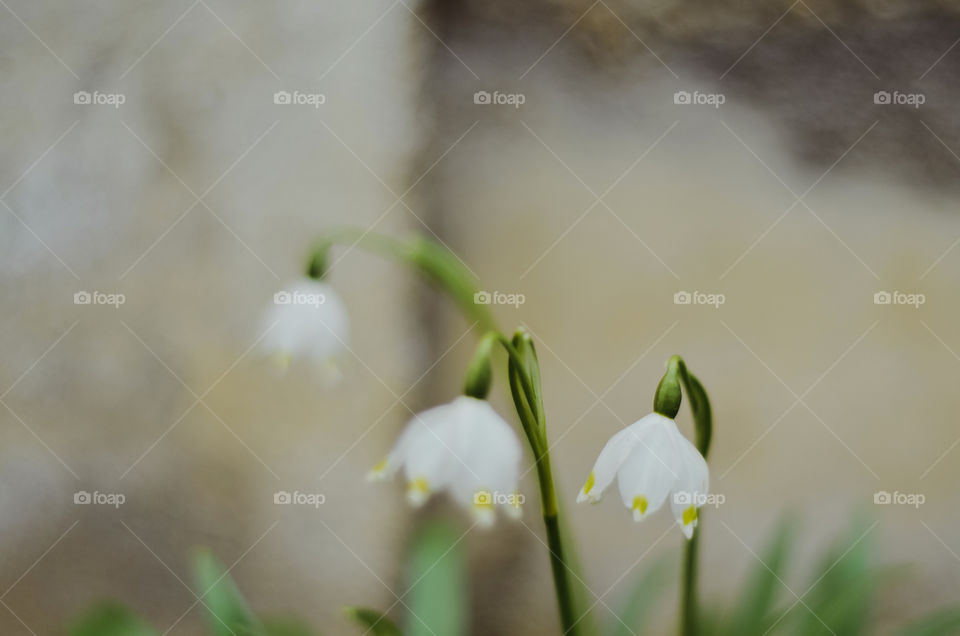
787,184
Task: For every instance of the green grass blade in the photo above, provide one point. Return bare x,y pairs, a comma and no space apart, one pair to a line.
643,596
436,581
228,612
111,619
753,613
286,626
373,621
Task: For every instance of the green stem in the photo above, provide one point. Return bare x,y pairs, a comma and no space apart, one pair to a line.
435,262
562,584
688,611
667,399
446,271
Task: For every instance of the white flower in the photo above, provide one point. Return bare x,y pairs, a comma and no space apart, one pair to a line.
462,447
651,460
309,321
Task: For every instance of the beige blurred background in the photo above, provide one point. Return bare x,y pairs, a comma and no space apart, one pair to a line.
598,199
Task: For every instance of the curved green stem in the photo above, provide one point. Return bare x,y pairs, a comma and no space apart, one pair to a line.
435,262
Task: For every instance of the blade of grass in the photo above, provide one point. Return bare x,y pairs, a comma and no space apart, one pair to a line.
228,612
649,585
111,619
755,603
376,624
436,582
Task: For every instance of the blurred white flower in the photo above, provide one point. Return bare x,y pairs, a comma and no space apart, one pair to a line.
651,460
462,447
307,321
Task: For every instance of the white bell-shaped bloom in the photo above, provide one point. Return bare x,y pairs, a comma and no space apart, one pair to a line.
464,448
307,321
651,461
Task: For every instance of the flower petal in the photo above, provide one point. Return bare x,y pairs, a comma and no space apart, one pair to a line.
692,486
648,474
608,463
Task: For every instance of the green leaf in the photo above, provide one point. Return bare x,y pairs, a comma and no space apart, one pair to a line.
436,580
286,626
755,603
111,619
642,598
375,623
940,623
228,612
840,596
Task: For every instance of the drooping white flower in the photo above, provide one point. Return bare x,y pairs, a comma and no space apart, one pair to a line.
652,460
464,448
308,321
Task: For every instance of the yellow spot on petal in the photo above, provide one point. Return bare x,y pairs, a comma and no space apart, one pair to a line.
377,471
588,486
418,491
640,504
420,485
689,515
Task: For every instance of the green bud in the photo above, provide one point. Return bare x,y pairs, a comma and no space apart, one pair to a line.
317,266
480,371
666,401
